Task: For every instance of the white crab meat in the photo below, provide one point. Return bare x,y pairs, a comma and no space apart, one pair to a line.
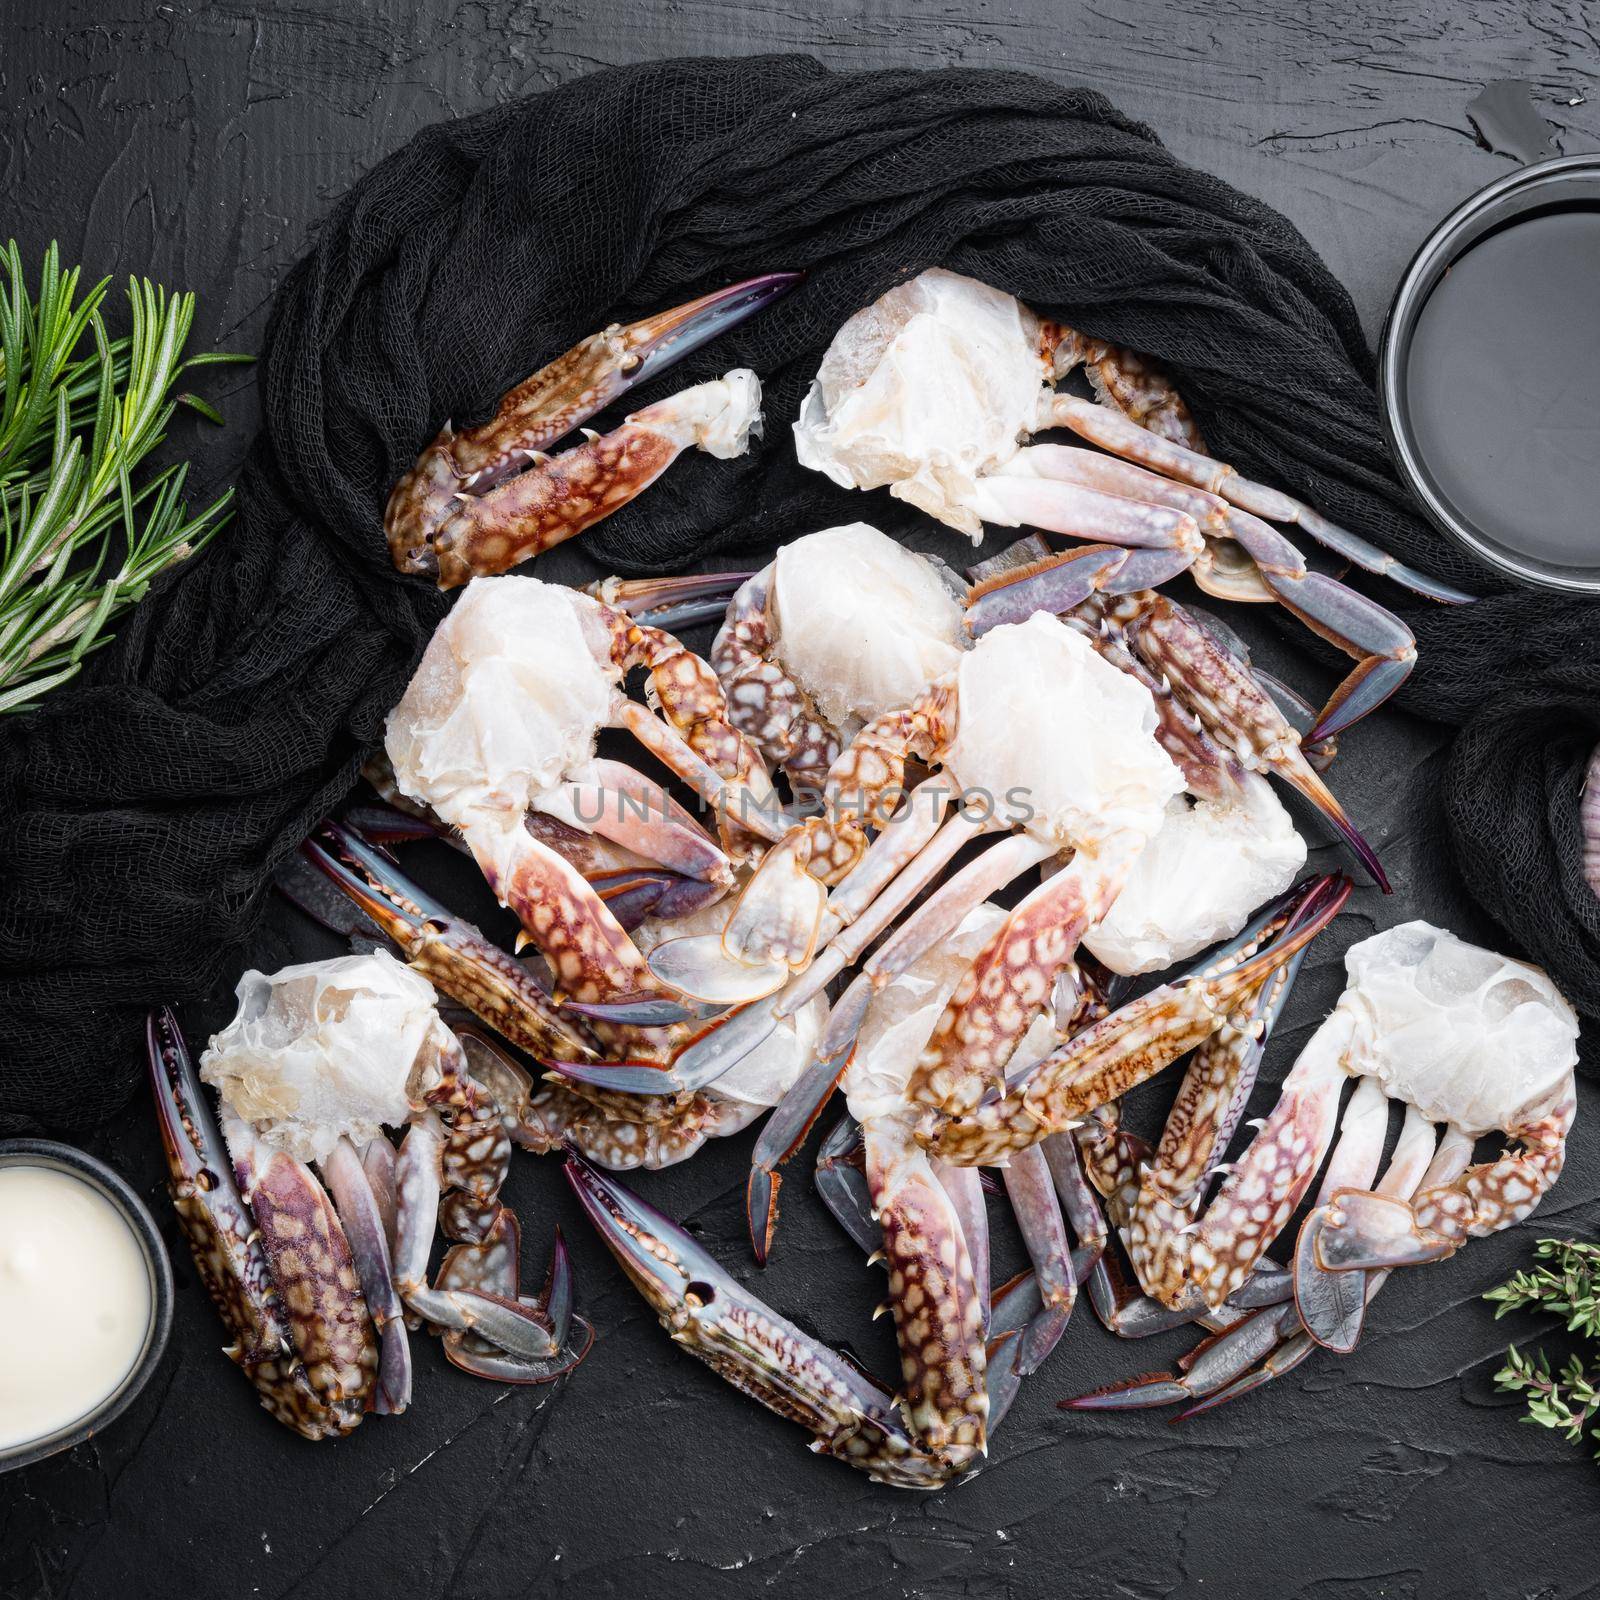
506,702
1209,866
925,391
324,1051
719,417
762,1077
862,623
1467,1036
1057,739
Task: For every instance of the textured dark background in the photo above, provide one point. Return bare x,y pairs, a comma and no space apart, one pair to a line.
201,143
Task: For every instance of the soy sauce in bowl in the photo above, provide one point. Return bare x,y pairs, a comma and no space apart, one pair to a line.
1491,374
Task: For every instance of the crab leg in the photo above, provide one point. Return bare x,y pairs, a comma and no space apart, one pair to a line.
1124,437
792,1119
491,1268
1406,1170
714,1317
1361,1230
1122,1050
378,1164
1020,498
674,603
519,1330
746,806
1226,1376
450,953
622,805
229,1252
1217,1363
361,1216
459,511
784,915
1235,709
1384,648
1030,1188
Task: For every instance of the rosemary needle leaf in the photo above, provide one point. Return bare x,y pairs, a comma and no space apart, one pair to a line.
83,531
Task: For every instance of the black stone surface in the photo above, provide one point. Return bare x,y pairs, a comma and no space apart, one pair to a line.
200,143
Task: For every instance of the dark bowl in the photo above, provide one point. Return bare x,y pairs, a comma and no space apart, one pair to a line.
1545,185
64,1158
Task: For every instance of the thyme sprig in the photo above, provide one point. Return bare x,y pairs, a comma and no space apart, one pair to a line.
81,538
1567,1399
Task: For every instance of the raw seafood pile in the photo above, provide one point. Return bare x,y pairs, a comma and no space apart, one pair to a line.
882,746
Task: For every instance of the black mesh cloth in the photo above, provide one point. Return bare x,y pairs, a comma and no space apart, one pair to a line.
142,815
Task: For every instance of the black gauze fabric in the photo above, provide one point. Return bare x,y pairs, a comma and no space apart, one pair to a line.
142,816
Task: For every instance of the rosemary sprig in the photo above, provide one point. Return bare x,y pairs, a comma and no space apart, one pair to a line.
81,539
1568,1400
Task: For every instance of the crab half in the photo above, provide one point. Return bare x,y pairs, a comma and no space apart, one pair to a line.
316,1276
1463,1038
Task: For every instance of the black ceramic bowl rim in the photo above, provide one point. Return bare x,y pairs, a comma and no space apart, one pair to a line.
1443,246
64,1158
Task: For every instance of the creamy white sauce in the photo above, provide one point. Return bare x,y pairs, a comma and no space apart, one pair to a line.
74,1300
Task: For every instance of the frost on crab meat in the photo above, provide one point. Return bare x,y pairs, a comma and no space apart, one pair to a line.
933,390
315,1271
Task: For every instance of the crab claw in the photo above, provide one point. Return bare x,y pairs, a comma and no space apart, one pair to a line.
714,1317
450,953
1362,1231
674,603
227,1245
1238,712
1332,1305
484,499
490,1267
792,1119
1216,1365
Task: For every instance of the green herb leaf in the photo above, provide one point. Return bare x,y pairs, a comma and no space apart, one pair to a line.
1567,1288
82,532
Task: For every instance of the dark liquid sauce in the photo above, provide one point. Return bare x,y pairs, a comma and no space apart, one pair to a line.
1503,387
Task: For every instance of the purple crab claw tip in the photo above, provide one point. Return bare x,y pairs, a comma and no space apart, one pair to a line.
669,336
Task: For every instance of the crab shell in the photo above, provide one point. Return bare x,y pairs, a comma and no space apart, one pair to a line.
1057,739
926,390
862,624
324,1051
1208,868
506,702
1467,1036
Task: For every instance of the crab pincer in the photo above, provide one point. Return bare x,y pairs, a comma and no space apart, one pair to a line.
479,501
